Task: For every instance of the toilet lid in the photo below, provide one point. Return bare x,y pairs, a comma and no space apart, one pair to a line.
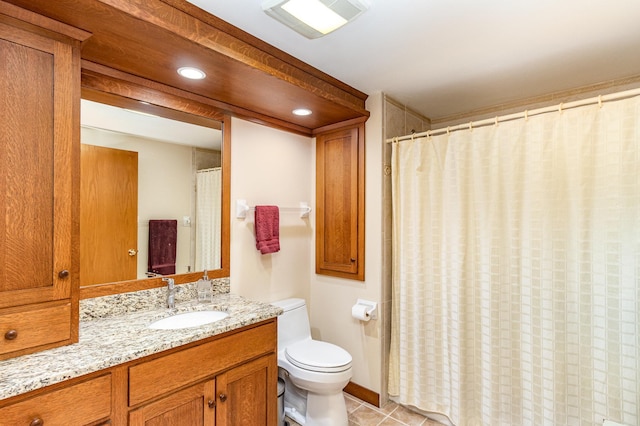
318,356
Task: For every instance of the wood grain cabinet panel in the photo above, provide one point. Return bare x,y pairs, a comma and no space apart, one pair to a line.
247,395
81,404
159,376
229,381
34,327
39,166
193,406
340,203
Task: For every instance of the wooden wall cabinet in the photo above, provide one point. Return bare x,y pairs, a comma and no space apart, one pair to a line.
39,169
340,202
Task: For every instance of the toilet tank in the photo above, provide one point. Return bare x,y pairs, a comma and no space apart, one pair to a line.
293,324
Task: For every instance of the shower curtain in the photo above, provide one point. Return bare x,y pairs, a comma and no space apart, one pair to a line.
516,269
208,220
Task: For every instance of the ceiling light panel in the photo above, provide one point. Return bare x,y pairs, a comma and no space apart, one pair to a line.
314,18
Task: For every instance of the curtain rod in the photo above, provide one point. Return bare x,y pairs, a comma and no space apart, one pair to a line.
524,114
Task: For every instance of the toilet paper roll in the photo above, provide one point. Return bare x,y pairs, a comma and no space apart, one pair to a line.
360,312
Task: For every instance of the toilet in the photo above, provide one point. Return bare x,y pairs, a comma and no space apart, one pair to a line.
315,372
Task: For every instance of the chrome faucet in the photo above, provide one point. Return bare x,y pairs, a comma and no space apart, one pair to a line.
171,292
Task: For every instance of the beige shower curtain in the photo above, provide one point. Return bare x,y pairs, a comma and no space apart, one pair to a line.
208,219
516,257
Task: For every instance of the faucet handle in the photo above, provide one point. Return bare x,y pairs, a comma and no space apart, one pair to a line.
170,282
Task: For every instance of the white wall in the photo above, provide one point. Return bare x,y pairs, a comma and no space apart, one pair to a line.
332,298
271,167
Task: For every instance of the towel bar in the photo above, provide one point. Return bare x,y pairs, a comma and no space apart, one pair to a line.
242,208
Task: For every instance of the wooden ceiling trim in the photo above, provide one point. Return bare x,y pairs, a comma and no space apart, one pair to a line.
257,82
236,32
190,28
99,78
44,22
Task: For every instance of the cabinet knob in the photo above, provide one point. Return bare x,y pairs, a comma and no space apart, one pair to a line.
133,252
352,259
223,397
211,403
11,335
63,274
37,422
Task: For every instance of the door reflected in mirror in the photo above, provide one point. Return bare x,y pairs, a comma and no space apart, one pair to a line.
150,195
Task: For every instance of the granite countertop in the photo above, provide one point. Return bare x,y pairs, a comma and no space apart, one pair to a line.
114,339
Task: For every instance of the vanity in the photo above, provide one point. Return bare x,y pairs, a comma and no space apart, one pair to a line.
122,372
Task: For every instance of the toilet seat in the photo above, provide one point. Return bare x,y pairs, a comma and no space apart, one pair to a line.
314,355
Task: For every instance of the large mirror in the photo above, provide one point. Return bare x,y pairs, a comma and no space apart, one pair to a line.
151,196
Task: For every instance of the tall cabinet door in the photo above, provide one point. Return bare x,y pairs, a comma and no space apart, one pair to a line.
340,203
39,166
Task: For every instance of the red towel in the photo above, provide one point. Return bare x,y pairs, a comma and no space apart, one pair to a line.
163,235
267,224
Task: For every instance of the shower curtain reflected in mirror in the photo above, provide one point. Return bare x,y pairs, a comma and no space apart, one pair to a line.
516,282
208,219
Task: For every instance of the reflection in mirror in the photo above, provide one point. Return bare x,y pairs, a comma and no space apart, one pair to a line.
150,195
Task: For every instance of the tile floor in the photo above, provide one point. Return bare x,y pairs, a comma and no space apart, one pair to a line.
392,414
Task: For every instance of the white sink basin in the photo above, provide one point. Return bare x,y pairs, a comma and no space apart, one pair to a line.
188,319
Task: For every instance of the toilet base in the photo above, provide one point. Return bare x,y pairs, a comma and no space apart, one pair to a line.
326,410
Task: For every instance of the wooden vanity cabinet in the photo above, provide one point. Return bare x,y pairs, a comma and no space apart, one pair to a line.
230,381
237,397
225,380
340,202
39,170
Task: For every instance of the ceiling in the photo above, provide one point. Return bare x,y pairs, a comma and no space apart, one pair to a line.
114,119
446,57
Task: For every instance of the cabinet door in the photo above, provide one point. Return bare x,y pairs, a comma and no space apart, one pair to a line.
38,166
340,203
248,395
193,406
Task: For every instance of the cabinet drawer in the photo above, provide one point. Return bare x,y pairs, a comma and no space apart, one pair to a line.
161,375
79,404
31,328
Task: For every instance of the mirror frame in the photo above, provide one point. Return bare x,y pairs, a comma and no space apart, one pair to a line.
109,86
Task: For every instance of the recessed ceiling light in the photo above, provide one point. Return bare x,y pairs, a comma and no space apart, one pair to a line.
302,111
191,73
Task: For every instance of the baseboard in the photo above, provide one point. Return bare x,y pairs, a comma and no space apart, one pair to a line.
363,394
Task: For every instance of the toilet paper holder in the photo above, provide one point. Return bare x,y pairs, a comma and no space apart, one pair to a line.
371,308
